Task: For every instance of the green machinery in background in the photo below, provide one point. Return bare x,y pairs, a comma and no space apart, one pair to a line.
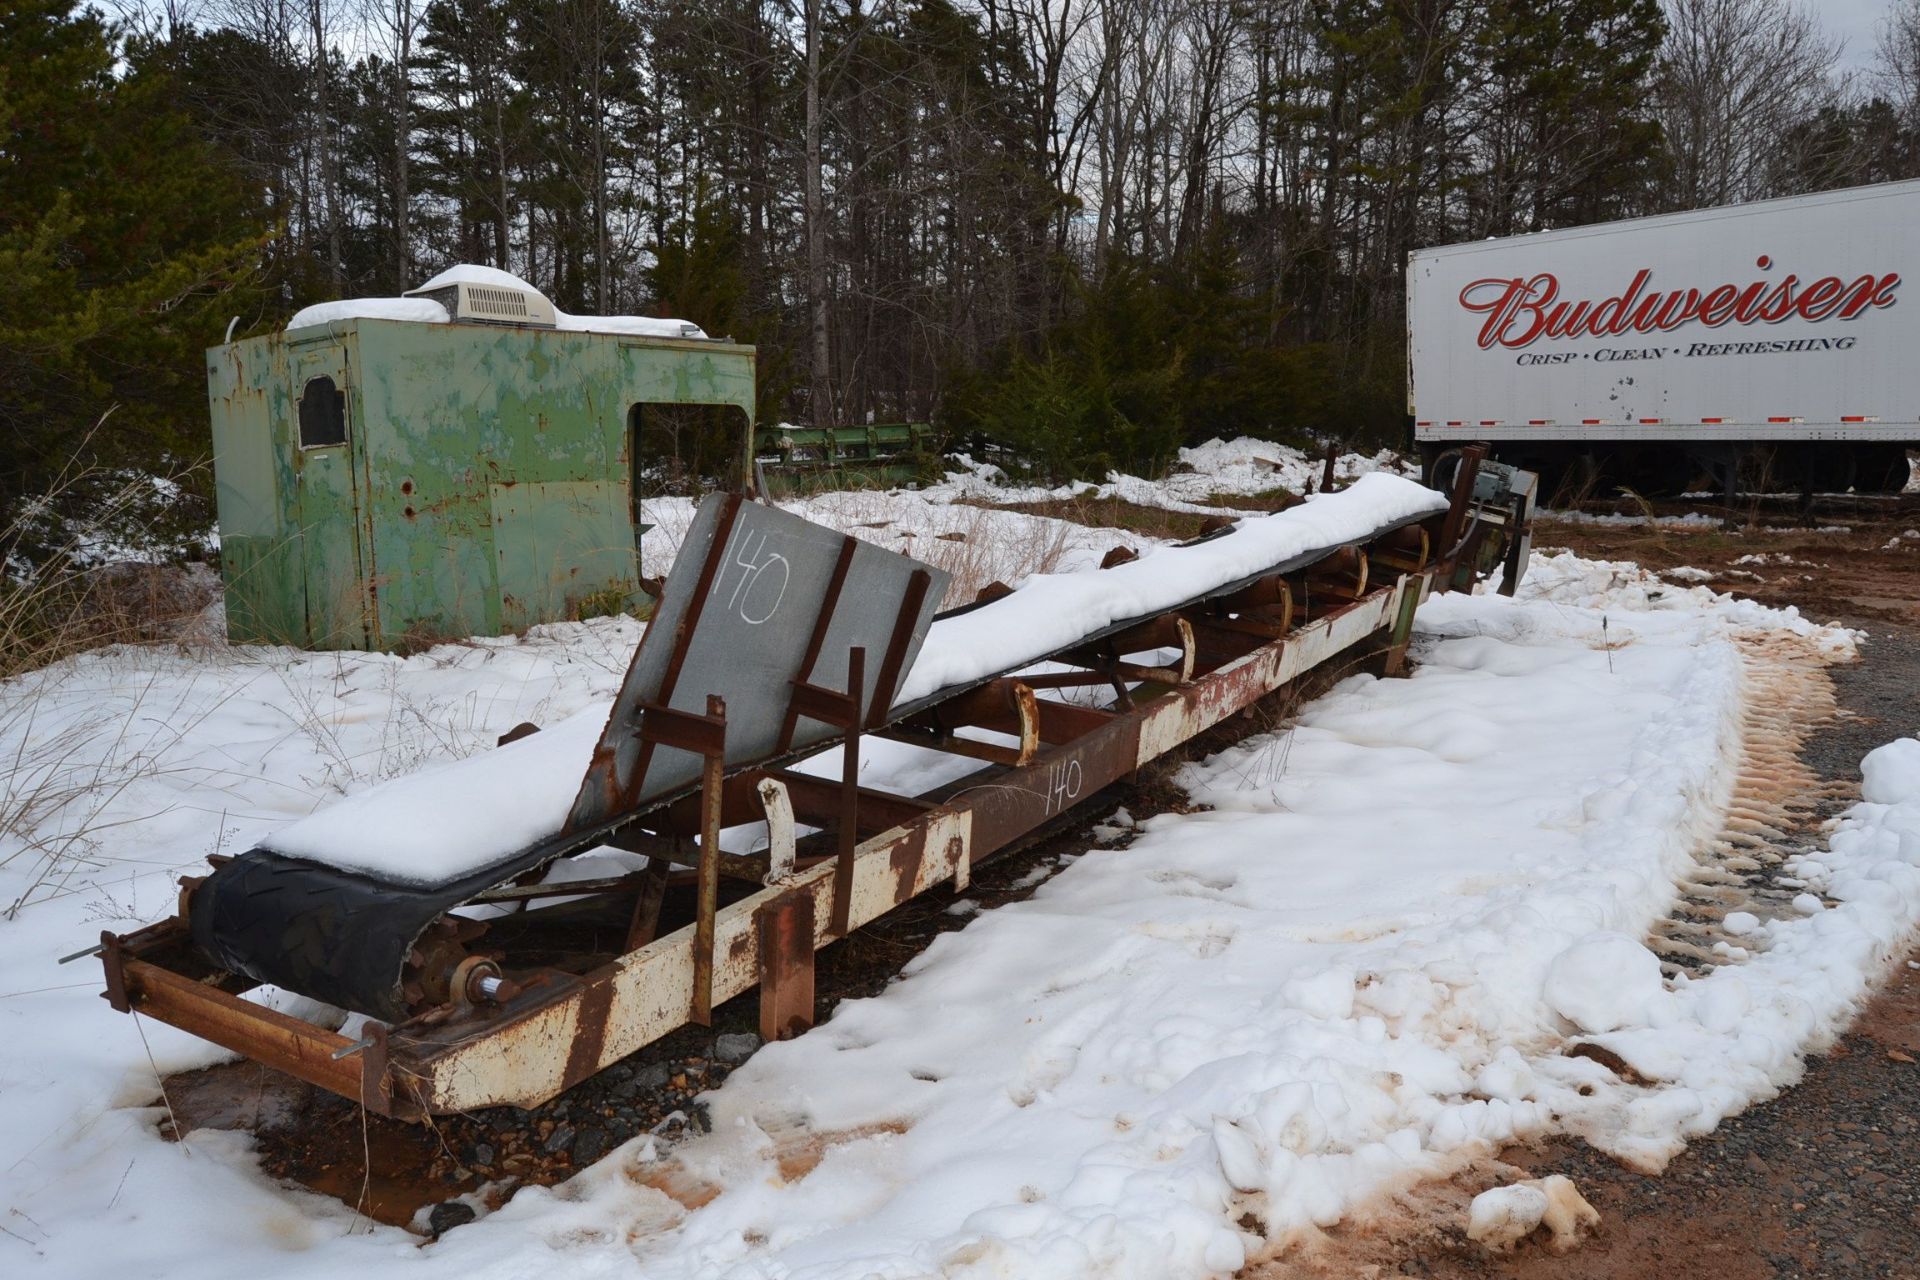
805,459
385,482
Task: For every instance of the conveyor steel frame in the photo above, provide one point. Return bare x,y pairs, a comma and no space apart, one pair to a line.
554,1028
560,1028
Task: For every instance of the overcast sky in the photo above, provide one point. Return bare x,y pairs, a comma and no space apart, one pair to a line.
1855,21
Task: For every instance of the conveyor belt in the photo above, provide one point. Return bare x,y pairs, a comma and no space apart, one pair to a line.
344,937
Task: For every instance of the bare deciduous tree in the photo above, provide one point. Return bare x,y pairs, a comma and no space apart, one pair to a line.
1734,79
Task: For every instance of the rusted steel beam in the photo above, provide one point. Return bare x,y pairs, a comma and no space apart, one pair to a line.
816,801
606,790
1405,550
669,850
712,781
1271,597
703,735
888,682
1342,576
1163,632
849,831
828,706
1006,705
785,927
1180,672
1401,637
1464,478
1078,679
738,803
301,1049
953,745
1220,640
561,889
643,926
1065,721
113,959
994,705
817,638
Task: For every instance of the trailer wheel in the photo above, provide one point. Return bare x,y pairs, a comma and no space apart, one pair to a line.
1881,468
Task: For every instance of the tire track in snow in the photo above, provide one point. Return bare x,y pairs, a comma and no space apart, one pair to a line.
1777,810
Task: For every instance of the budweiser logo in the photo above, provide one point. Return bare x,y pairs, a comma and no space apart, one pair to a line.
1520,311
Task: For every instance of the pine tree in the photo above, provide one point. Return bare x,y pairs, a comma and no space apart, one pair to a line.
125,244
1564,116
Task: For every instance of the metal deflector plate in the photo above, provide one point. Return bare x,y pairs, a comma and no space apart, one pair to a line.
741,616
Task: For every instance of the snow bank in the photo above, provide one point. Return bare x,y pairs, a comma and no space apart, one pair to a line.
126,767
1282,1005
1202,474
1603,982
427,311
1621,587
1740,1034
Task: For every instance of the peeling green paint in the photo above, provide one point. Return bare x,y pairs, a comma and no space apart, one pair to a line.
484,484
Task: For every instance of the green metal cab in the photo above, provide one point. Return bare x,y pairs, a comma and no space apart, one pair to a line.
387,482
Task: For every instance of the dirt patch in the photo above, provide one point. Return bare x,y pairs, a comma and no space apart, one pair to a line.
1776,810
1852,562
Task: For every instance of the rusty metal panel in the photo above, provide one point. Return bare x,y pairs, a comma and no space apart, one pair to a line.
248,402
1243,681
558,545
443,418
748,594
536,1051
301,1049
338,606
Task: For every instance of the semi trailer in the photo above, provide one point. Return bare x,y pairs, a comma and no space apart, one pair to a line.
1772,343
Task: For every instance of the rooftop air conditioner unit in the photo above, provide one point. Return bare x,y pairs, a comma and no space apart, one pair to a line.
469,303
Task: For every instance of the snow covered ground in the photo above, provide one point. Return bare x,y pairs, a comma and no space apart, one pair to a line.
1358,965
1216,469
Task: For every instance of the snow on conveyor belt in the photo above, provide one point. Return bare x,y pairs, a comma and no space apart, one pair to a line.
449,821
331,906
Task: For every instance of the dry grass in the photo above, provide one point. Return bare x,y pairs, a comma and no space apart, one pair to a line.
1115,513
1279,498
63,770
986,549
65,603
